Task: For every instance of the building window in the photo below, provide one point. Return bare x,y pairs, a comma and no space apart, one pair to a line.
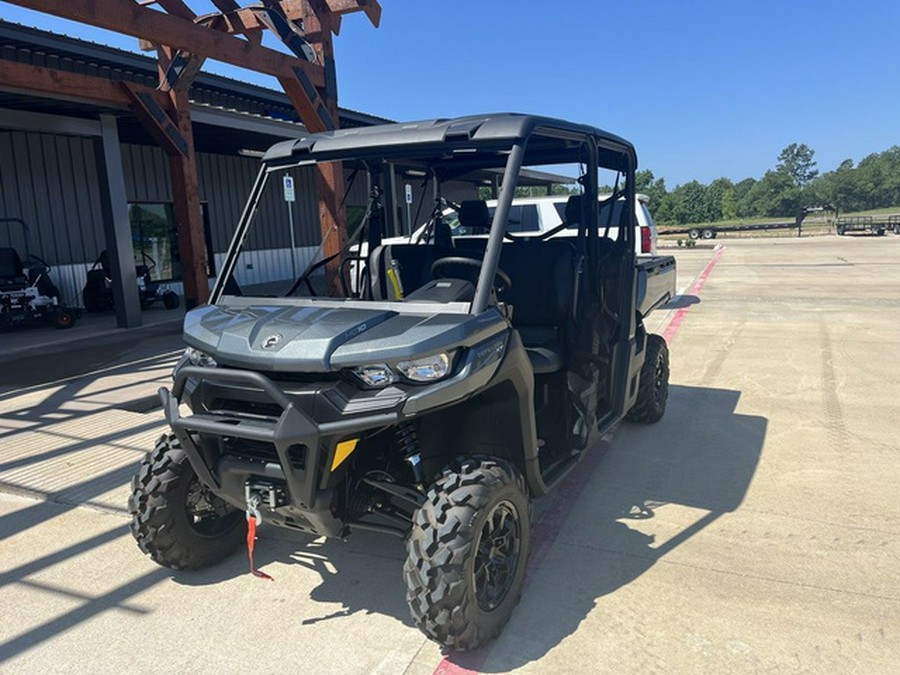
154,237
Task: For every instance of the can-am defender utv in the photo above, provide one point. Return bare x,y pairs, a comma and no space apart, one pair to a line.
468,376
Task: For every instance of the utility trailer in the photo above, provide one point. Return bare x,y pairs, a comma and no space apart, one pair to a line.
846,224
712,231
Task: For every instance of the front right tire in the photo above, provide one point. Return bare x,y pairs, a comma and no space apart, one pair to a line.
467,552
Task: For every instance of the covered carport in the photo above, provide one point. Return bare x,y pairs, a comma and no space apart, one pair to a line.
73,154
183,41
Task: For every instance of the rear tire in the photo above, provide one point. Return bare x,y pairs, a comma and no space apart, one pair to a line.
653,391
694,233
171,300
467,552
174,518
65,318
708,234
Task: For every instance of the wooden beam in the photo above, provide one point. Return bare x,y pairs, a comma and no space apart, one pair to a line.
129,18
242,20
73,86
177,8
177,68
370,7
156,121
307,103
226,5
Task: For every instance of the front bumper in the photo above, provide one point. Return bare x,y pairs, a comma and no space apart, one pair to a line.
288,446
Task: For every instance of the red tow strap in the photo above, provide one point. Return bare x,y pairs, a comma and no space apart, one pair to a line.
251,540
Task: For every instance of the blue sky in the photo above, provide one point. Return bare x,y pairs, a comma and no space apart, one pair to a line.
703,89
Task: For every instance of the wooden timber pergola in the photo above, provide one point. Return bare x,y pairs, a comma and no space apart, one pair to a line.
183,40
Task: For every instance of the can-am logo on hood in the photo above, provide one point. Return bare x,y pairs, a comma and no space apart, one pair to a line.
272,341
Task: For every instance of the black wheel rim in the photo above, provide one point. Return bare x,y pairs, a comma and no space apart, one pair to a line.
207,514
497,556
660,378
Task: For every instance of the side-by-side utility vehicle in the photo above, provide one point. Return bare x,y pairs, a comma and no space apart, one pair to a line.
467,376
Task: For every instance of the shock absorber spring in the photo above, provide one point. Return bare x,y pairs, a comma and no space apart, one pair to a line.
408,445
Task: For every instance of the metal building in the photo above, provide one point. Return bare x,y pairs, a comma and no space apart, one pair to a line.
61,161
51,173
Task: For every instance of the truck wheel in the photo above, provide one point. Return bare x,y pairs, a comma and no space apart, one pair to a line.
708,233
174,518
467,551
841,231
654,387
694,233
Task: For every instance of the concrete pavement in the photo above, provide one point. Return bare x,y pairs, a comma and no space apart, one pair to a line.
753,529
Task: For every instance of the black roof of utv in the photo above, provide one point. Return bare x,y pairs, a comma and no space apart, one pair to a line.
431,139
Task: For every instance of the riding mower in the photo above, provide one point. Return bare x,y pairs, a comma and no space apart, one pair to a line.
97,294
27,295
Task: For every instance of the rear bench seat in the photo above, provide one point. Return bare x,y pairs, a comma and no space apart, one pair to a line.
543,296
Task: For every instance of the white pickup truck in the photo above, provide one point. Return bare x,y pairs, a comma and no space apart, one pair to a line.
534,215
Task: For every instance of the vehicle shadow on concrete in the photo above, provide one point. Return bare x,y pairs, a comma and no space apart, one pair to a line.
697,463
362,573
681,301
701,456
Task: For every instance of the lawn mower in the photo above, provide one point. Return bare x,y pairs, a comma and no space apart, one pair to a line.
97,294
27,295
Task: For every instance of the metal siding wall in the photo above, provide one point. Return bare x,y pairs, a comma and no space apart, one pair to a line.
225,182
49,181
146,174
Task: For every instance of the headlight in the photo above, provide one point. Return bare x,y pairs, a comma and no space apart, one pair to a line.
428,369
376,376
198,358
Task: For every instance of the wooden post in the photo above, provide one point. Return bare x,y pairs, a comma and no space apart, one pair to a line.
329,177
188,216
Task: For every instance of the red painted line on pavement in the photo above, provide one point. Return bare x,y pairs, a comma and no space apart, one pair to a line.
675,323
564,497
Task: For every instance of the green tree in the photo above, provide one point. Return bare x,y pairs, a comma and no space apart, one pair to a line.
741,191
729,204
796,160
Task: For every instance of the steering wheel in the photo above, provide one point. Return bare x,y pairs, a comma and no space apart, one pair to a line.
506,282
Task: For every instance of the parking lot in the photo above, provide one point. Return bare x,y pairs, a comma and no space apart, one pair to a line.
755,528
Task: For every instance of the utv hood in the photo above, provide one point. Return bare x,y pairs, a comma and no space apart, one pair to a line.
305,338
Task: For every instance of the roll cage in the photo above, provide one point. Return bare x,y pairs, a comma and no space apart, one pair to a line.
448,149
